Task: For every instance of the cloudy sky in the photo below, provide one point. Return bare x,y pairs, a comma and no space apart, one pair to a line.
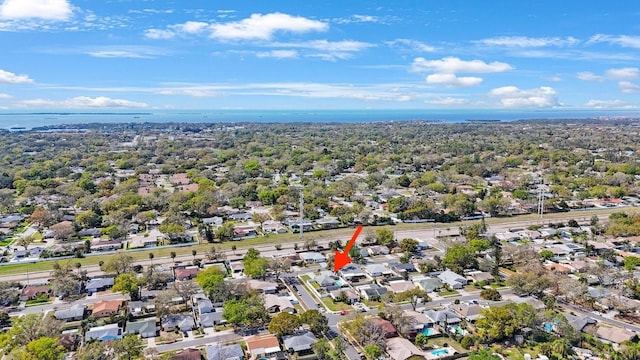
292,54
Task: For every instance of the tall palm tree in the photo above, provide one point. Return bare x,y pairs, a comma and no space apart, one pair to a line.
151,256
173,257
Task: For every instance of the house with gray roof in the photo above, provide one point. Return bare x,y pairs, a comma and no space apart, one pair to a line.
99,284
452,279
211,319
429,284
443,317
300,343
378,270
373,292
312,257
224,352
326,279
204,306
182,322
145,328
108,332
75,313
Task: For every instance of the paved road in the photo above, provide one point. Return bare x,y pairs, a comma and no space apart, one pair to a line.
222,338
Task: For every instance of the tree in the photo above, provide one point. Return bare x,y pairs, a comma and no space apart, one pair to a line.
483,354
384,236
322,349
284,324
414,296
225,231
31,327
65,282
194,253
278,265
261,218
459,257
318,323
127,284
96,350
173,256
248,311
479,245
63,230
186,289
119,263
256,268
88,219
372,352
40,216
409,245
44,348
631,262
129,347
502,322
174,231
24,241
210,278
546,254
151,256
491,294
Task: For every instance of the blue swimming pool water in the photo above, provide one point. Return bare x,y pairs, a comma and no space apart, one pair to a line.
429,331
439,352
548,326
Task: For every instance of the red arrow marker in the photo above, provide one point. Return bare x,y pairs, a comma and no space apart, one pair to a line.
342,258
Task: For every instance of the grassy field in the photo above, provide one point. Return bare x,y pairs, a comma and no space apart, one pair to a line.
282,239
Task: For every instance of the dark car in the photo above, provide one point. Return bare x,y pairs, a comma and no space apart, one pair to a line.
332,334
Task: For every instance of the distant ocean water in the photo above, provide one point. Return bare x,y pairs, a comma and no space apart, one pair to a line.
30,120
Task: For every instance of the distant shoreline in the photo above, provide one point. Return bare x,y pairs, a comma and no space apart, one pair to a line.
49,119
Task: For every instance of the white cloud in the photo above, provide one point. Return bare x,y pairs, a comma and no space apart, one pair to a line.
192,27
159,34
513,97
54,10
80,102
194,92
256,27
628,87
327,50
451,80
278,54
629,73
589,76
358,19
455,65
447,101
5,96
133,52
604,104
7,77
523,41
412,45
621,40
262,27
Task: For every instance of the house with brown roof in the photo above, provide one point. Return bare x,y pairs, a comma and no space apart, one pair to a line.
31,292
188,354
186,273
614,335
389,330
106,308
262,345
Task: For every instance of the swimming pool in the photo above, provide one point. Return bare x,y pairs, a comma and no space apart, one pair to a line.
439,352
429,331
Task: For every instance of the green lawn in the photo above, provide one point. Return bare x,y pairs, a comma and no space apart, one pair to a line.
334,306
446,293
442,341
38,301
6,242
305,278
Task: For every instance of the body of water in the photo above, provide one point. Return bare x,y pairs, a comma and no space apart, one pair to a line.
30,120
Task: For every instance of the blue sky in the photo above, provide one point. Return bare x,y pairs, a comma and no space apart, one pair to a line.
291,54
